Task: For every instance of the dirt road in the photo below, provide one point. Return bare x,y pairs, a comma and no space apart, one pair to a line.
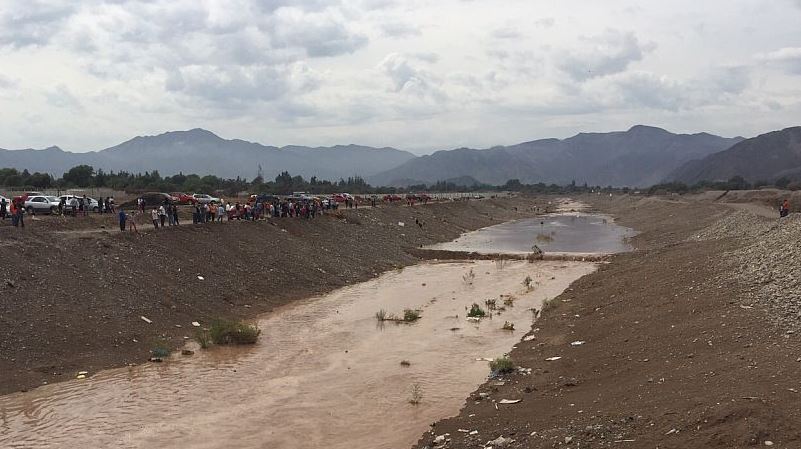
658,349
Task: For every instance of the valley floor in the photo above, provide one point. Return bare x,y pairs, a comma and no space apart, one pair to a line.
690,341
74,290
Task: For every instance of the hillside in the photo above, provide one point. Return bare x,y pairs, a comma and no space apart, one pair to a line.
641,156
203,152
767,157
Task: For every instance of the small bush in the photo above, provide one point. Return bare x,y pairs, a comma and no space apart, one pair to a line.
203,338
223,332
490,303
527,282
406,363
417,395
502,365
507,326
160,348
476,311
469,277
381,315
410,315
549,304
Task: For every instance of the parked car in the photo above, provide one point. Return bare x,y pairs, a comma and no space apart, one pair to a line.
202,198
41,204
392,198
93,205
184,198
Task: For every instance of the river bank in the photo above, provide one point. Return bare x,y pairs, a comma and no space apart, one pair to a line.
662,347
75,302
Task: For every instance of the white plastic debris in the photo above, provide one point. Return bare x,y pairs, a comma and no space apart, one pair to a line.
195,323
552,359
510,401
577,343
201,278
529,337
401,224
145,319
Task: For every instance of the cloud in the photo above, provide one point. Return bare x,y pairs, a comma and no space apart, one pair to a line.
31,22
606,54
60,96
787,59
399,29
506,33
406,77
319,33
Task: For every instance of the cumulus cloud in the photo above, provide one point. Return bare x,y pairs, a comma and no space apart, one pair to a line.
606,54
31,22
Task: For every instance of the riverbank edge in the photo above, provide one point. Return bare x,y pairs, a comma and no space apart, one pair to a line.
654,350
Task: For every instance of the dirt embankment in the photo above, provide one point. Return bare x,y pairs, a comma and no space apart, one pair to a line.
72,301
674,352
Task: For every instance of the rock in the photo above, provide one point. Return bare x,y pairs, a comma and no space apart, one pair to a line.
568,440
187,352
500,442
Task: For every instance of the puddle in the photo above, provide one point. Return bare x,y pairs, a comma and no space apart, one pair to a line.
324,374
577,233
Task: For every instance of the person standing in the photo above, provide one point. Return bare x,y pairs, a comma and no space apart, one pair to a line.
20,213
162,215
785,209
174,213
3,210
154,215
74,206
85,206
123,219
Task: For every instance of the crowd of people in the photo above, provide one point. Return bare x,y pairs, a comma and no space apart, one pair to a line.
166,214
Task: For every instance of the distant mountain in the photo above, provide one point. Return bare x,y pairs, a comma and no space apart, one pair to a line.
641,156
767,157
203,152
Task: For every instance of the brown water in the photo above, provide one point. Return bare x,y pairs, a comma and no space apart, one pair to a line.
324,375
562,233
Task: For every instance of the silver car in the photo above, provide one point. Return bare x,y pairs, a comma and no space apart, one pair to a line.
206,199
41,204
93,205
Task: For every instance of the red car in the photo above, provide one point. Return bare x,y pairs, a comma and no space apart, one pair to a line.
392,198
339,197
184,198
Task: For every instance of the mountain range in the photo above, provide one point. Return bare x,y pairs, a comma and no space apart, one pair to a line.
641,156
204,153
767,157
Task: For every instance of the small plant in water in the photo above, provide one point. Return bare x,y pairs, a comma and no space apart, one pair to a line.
509,302
417,395
507,326
160,348
406,363
528,282
203,338
410,316
476,311
224,332
469,277
502,365
381,315
490,303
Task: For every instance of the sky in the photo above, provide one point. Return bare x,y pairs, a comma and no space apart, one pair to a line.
417,75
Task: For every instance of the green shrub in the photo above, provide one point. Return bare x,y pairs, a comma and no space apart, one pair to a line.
417,395
203,338
507,326
502,365
476,312
224,332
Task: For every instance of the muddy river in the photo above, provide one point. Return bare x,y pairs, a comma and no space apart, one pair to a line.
559,233
325,374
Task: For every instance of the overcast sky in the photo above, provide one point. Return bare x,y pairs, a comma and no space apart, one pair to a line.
414,74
